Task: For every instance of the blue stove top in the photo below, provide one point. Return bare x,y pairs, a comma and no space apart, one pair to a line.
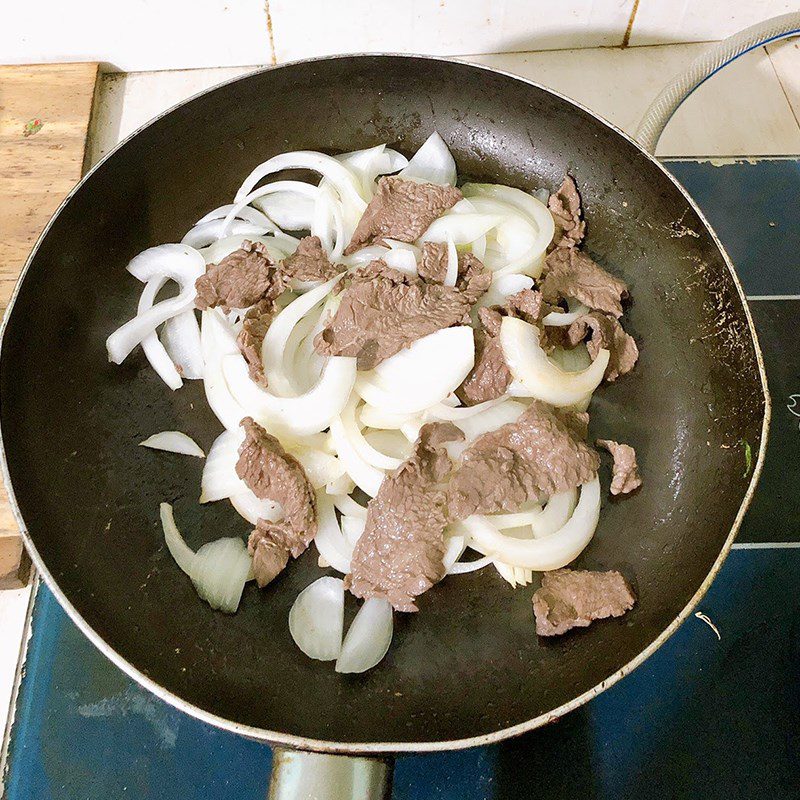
704,717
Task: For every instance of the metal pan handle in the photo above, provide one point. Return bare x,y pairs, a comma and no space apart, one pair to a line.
705,66
300,775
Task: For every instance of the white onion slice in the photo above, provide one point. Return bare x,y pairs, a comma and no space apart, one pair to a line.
563,318
365,476
343,485
544,380
154,350
518,519
327,223
245,213
219,480
365,450
307,413
329,541
453,550
252,508
489,419
207,233
441,411
463,567
391,444
423,374
181,340
173,442
368,164
503,286
368,639
320,467
278,246
575,359
432,163
378,418
352,528
451,273
316,619
179,263
349,507
462,228
556,514
550,552
402,256
218,340
218,570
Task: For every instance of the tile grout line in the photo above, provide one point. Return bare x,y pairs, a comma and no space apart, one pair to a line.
783,88
271,34
626,39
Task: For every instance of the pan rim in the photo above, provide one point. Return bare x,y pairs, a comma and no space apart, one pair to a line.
278,738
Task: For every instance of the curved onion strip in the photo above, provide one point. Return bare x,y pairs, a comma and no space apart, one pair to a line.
364,449
352,528
321,468
517,520
245,213
275,244
574,359
555,515
562,318
453,550
503,286
307,413
423,374
218,570
489,419
219,480
274,347
154,351
328,222
329,541
179,263
284,188
253,508
180,337
344,484
548,553
451,273
296,368
173,442
207,233
218,341
462,228
374,417
463,567
389,443
368,639
316,619
366,477
349,507
506,572
544,380
364,256
402,257
368,164
290,205
432,163
441,411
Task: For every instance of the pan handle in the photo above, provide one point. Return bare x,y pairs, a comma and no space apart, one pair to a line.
301,775
657,116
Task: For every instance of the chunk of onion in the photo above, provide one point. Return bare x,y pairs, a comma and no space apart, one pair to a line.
154,350
173,442
320,467
544,380
463,567
181,340
329,541
563,318
432,163
218,340
367,477
461,228
503,286
316,619
352,528
218,570
368,638
549,552
253,508
219,480
349,507
423,374
555,515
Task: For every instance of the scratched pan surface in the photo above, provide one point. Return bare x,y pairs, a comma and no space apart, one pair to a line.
468,668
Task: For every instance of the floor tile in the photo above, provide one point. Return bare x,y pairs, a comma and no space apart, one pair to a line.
785,57
742,111
318,27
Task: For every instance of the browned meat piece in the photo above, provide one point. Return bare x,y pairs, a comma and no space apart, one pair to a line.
490,377
380,314
433,264
254,328
473,277
625,472
269,558
541,453
309,262
401,210
242,279
575,598
565,206
272,474
608,334
571,273
399,555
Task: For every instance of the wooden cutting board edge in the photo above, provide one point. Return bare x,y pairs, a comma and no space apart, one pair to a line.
37,171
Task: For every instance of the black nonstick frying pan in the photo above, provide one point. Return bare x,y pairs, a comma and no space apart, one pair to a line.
468,669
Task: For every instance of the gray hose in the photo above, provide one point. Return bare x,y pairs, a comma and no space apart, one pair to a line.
703,67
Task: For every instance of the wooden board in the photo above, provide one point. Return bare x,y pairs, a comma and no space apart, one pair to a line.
36,172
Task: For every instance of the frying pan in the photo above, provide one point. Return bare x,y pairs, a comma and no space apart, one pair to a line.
468,669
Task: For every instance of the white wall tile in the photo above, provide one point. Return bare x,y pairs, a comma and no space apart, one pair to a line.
136,34
785,58
741,111
663,21
304,28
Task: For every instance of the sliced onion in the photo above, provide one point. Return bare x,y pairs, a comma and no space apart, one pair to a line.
329,541
278,248
179,263
506,572
173,442
503,286
365,256
423,374
316,619
245,213
562,318
349,507
218,340
307,413
391,444
451,274
463,567
367,477
550,552
517,520
367,164
489,419
154,351
320,467
378,418
218,570
341,486
253,508
364,449
328,221
219,480
181,340
575,359
444,412
556,514
274,347
461,228
432,163
544,380
352,528
207,233
454,548
402,256
368,639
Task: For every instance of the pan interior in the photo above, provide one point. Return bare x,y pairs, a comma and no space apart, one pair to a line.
469,663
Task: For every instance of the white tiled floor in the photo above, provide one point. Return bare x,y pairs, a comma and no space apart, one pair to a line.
752,108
